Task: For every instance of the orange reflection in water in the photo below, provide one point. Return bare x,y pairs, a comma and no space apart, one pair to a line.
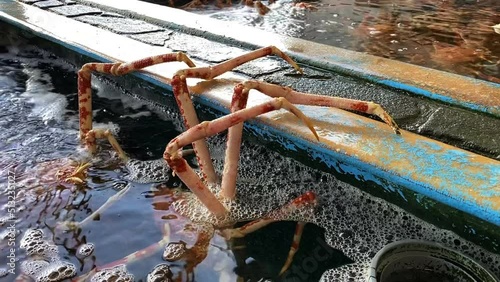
451,35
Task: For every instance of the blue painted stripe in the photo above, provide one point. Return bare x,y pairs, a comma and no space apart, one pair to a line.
350,66
443,98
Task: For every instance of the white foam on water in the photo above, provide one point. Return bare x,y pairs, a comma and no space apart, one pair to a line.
44,263
356,223
113,127
46,104
117,273
104,90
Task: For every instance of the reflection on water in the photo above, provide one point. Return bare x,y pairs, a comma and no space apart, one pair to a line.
452,35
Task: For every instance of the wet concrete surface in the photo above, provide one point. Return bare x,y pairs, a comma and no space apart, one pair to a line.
120,25
219,52
460,127
76,10
30,1
48,4
154,38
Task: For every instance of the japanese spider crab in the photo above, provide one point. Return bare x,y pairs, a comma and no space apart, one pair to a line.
208,197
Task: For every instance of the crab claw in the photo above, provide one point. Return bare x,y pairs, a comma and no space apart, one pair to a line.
77,176
298,113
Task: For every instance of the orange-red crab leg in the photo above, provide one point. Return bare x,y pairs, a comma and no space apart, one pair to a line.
300,98
239,102
306,200
299,229
93,134
209,128
84,81
184,102
233,148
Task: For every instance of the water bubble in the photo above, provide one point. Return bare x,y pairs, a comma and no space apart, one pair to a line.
118,273
160,273
86,250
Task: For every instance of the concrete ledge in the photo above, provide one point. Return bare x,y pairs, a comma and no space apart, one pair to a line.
446,87
351,144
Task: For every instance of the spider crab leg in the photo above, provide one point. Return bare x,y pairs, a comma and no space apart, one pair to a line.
306,200
239,101
93,134
301,98
209,128
85,90
184,102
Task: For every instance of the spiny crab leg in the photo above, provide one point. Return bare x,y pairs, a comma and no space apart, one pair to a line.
301,98
84,81
209,128
184,102
233,148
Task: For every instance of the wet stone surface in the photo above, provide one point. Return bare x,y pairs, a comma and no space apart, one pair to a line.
204,49
48,4
111,14
120,25
76,10
157,38
262,66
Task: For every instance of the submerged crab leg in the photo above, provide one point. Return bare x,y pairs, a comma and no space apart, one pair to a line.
96,213
299,229
84,81
209,128
300,98
183,98
93,134
135,256
306,200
